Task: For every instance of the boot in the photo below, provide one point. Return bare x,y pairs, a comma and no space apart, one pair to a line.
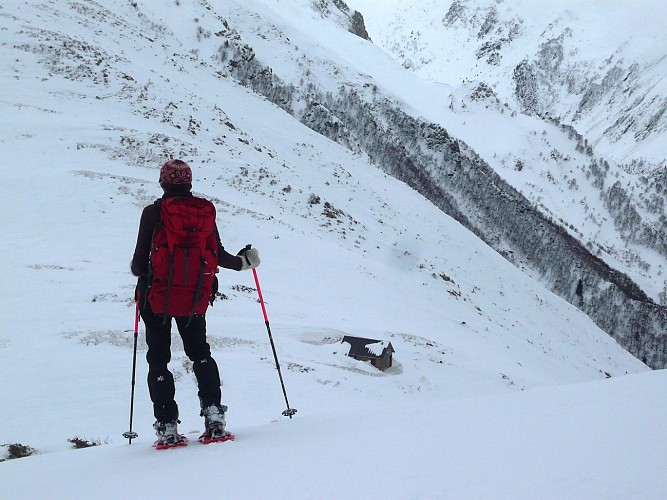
167,433
214,420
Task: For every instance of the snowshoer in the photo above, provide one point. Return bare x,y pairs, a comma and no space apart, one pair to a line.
176,257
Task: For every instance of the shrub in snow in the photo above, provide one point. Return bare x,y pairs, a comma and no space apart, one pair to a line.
17,450
84,443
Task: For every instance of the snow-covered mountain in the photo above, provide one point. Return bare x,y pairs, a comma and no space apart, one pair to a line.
595,68
596,71
599,67
97,93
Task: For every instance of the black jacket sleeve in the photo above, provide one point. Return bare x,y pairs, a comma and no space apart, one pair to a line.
150,217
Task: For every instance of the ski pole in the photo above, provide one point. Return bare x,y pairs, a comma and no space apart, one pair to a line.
289,412
130,435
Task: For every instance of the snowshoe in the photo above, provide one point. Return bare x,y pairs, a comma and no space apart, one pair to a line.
214,420
206,439
168,436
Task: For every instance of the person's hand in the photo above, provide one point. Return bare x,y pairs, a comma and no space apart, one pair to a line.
249,257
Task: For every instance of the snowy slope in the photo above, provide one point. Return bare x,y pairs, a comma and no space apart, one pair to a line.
586,441
98,93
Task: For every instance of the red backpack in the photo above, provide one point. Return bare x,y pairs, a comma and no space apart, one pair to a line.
184,257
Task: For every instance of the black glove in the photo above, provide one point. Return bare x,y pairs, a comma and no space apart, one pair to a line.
249,257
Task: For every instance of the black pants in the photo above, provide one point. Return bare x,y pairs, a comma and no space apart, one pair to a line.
160,380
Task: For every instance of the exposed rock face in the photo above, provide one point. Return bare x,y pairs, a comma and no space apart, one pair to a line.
351,20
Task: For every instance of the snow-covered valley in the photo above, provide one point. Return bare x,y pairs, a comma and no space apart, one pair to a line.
499,389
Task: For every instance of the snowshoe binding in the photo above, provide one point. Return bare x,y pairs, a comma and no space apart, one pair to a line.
168,436
214,420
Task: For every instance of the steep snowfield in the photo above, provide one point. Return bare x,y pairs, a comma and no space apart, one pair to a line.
95,95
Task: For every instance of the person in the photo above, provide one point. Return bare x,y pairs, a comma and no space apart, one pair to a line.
176,181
